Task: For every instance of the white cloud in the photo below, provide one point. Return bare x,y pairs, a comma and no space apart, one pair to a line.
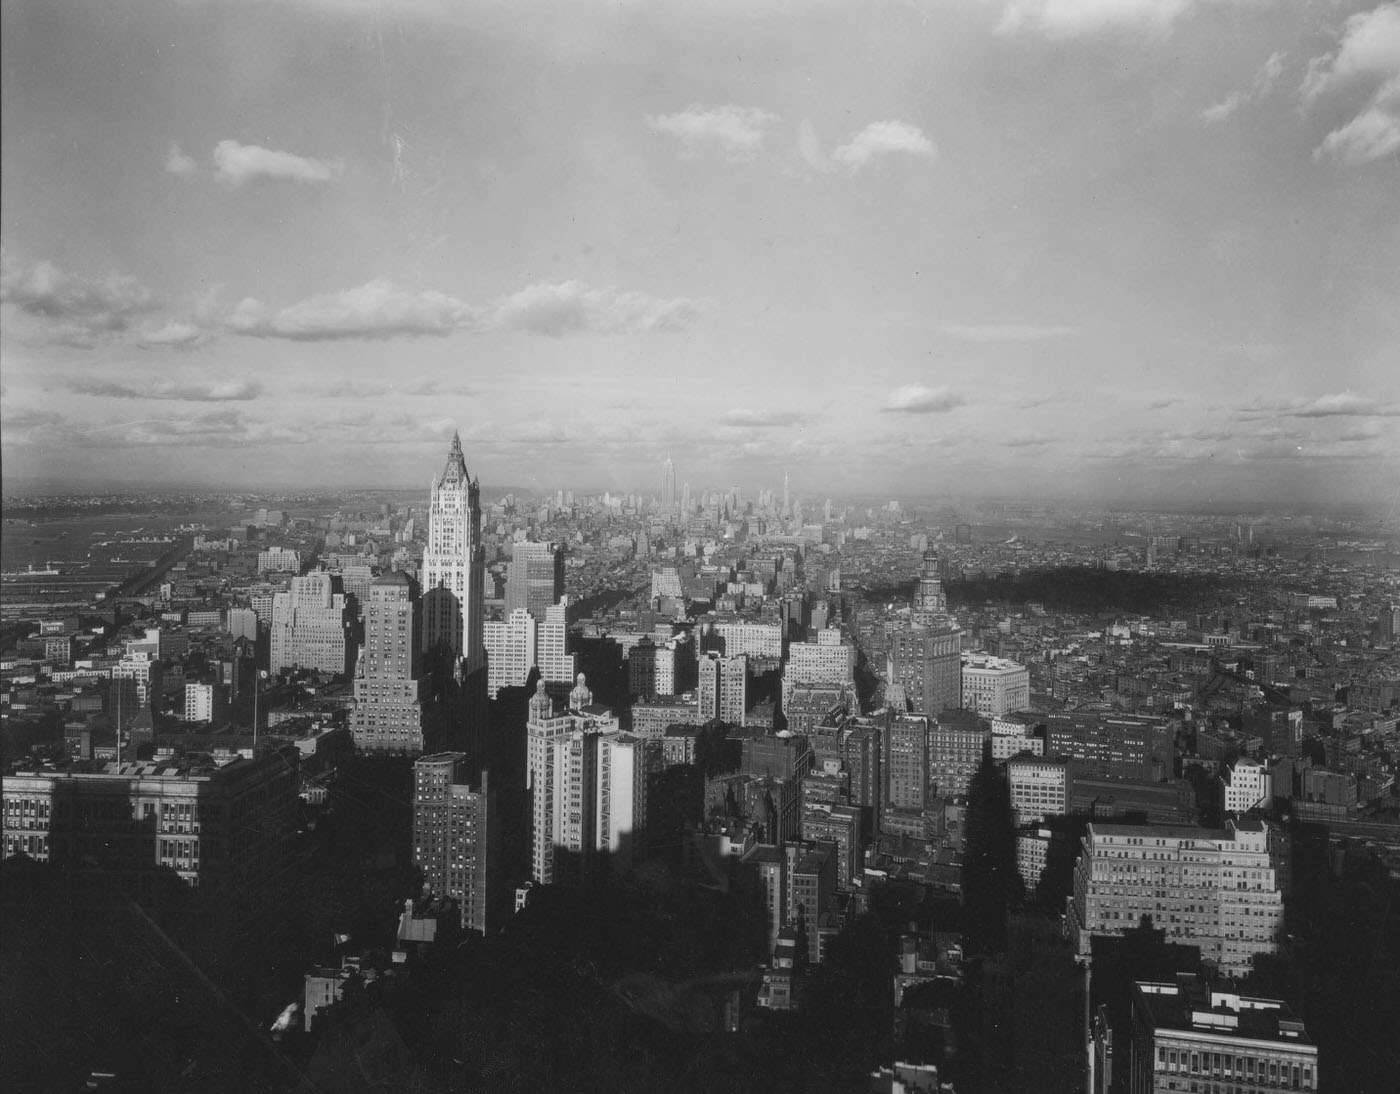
1069,18
881,139
206,392
1369,51
1371,135
175,335
237,164
567,307
177,163
1370,47
73,309
735,132
1263,83
921,399
380,310
375,310
1342,404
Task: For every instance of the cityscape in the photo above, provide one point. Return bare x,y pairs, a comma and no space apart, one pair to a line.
620,547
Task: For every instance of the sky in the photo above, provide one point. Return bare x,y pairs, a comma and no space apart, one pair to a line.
1122,249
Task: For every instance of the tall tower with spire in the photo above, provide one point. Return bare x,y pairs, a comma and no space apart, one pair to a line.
454,567
668,484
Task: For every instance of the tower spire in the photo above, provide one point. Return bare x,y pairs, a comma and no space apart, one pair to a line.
455,470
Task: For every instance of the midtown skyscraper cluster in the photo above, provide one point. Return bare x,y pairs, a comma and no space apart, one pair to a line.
799,709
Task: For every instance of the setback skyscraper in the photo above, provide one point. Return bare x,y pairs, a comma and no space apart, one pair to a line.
389,685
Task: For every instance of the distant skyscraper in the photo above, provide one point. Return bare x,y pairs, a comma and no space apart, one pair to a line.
787,498
685,498
389,685
668,484
454,565
534,577
455,838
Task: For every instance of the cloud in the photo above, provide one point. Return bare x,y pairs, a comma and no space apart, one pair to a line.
380,310
236,164
1264,82
762,419
567,307
735,132
1344,404
1162,404
1028,440
213,429
25,426
74,309
880,139
920,399
216,392
175,335
376,310
1371,135
177,163
1369,51
1072,18
1370,48
1002,332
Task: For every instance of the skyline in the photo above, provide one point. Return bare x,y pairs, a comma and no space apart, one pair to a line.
1131,250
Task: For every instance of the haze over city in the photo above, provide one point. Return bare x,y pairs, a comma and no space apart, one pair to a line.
1131,250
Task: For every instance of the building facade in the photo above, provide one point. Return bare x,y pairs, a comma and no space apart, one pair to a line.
907,749
723,690
455,838
534,577
561,774
311,626
1216,889
1039,788
992,685
926,662
389,686
222,828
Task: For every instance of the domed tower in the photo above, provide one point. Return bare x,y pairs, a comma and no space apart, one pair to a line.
580,697
541,705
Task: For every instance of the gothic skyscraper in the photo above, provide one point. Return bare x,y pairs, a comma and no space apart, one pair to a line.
454,566
454,593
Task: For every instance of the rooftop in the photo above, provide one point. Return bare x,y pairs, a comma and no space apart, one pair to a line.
1189,1005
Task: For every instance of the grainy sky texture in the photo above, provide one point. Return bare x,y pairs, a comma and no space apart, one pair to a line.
1126,248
